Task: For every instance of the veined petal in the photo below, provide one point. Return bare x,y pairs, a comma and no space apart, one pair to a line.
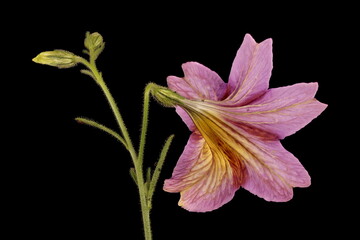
204,177
250,71
186,118
272,172
259,162
192,163
280,111
198,83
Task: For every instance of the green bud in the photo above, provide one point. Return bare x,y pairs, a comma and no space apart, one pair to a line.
57,58
94,42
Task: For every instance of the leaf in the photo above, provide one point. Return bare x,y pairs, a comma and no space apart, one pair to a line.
101,127
158,168
133,175
89,73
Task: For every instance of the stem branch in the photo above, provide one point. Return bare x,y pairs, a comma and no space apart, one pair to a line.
146,190
145,121
100,81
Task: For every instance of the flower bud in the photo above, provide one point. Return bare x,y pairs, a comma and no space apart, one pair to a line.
93,41
56,58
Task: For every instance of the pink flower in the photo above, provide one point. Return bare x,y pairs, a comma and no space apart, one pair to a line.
236,131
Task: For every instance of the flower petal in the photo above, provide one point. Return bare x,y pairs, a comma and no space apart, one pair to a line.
272,171
258,161
186,118
189,158
204,180
250,71
198,83
281,111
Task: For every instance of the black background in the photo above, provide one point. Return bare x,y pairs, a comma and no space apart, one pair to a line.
72,181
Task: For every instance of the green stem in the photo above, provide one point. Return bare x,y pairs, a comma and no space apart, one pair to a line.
145,210
118,117
136,160
143,191
137,163
100,81
146,190
145,121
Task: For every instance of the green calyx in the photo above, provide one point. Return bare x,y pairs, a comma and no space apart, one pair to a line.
165,96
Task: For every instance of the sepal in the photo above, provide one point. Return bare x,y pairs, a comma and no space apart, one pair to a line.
166,96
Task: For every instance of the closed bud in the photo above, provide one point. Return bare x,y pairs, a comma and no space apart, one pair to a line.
93,41
57,58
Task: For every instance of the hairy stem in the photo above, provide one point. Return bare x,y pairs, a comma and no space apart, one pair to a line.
145,121
146,190
145,210
100,81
